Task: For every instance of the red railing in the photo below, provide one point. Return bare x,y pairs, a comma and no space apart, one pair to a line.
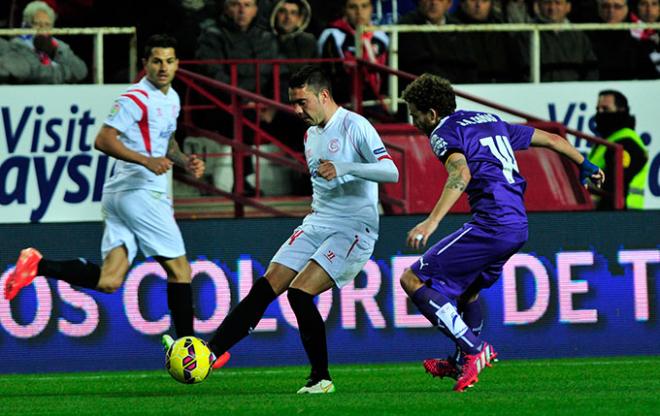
618,197
295,160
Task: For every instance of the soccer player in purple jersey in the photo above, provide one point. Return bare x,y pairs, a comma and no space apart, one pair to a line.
477,150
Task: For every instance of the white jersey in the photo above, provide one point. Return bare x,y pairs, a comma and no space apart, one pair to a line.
146,119
346,201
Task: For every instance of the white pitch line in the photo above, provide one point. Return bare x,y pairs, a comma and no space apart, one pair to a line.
237,372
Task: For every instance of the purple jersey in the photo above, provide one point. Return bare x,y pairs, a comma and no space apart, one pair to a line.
496,189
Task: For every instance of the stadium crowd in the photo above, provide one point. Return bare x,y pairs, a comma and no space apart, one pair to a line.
315,28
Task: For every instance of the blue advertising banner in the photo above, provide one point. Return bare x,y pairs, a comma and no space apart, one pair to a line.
585,284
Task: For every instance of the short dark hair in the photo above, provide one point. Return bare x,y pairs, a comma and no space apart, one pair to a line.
159,41
430,91
620,100
311,76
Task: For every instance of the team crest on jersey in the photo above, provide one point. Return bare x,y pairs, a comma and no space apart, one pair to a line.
333,146
439,145
114,110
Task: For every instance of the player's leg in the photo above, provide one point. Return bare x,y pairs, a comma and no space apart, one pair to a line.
311,281
338,259
179,294
30,264
439,309
245,316
80,272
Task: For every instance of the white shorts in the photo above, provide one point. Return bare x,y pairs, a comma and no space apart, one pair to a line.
142,215
341,253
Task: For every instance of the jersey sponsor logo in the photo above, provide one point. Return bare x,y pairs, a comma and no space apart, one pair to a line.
379,151
330,255
333,146
439,145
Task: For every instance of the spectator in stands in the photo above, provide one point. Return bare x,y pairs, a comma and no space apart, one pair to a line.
566,55
288,20
338,41
498,55
620,56
438,53
13,66
615,123
648,11
235,35
51,60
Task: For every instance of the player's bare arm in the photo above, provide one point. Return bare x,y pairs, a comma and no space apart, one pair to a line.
560,145
191,163
458,178
107,141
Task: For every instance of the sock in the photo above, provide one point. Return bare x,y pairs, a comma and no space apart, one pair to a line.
180,302
243,318
77,272
312,332
473,317
439,310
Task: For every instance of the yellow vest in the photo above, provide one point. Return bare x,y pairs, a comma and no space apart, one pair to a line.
635,197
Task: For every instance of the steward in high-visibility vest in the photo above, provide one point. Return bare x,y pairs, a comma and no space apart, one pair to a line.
614,122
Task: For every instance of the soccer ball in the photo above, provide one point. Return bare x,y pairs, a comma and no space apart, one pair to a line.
189,360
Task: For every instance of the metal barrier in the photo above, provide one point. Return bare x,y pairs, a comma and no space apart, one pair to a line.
618,197
98,33
235,107
534,41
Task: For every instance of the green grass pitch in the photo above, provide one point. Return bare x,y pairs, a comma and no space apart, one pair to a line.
593,386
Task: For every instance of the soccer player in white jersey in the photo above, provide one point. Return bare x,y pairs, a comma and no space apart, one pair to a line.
139,133
346,159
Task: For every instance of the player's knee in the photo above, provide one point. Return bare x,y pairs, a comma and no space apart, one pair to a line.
410,282
110,284
182,274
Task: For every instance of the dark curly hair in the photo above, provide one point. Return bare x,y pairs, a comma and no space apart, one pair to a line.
431,92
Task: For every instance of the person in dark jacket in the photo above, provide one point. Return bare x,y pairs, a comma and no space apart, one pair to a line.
620,55
438,53
566,55
498,55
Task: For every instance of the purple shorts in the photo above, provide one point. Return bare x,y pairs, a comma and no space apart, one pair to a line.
471,255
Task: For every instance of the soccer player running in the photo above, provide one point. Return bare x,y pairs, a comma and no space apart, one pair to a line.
346,159
477,150
139,133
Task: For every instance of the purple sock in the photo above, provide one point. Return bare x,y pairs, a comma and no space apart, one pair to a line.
473,318
439,310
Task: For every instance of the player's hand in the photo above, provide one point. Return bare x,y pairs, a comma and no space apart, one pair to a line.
158,165
597,179
589,171
195,166
326,170
419,235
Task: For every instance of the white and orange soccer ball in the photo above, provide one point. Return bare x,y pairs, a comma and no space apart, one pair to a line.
189,360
